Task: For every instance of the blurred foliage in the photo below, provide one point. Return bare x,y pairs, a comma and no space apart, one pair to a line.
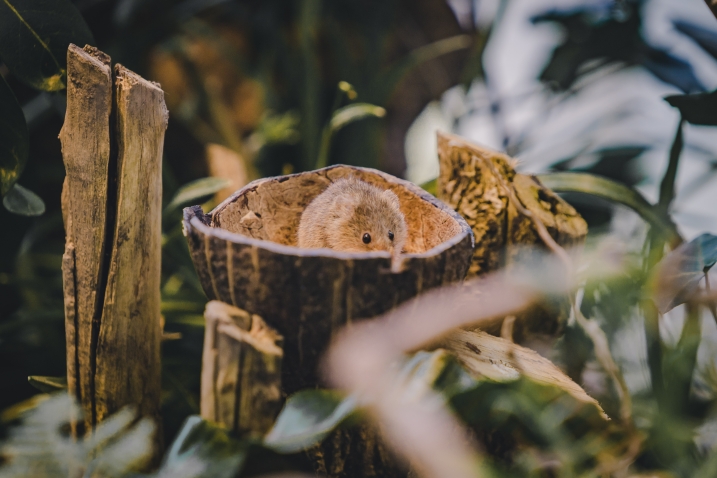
281,83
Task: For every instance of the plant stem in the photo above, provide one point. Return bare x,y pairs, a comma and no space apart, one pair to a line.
656,249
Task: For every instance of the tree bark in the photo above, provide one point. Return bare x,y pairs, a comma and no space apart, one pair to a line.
111,204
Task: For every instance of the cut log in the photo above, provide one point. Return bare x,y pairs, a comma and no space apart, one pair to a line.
241,371
474,181
111,204
245,254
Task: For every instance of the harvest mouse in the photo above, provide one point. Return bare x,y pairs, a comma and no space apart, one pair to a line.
354,216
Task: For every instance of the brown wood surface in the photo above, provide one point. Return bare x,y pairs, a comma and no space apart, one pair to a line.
85,138
475,181
241,370
111,204
245,254
468,184
128,361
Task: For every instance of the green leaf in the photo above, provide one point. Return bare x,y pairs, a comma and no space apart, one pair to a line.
612,191
342,117
680,271
23,202
14,138
310,415
699,109
430,186
48,384
206,446
196,190
34,36
307,418
667,186
350,113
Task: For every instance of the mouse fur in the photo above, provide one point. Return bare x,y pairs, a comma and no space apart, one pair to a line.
349,208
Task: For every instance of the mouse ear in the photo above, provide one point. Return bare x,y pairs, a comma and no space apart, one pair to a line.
391,197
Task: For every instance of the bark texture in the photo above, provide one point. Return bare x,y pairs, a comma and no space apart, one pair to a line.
475,181
245,254
111,203
241,370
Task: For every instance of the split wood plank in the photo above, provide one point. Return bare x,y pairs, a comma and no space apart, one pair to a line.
85,138
128,346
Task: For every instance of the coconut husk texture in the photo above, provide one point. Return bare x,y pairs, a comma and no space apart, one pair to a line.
484,188
245,254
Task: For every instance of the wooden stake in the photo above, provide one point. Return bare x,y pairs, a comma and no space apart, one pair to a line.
241,370
111,203
85,138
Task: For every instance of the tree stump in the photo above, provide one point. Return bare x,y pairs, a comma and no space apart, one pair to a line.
112,142
245,254
241,370
479,183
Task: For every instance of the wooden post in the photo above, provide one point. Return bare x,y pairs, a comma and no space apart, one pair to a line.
111,202
241,370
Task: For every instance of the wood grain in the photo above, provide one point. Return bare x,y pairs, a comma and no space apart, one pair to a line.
85,138
130,330
111,204
241,370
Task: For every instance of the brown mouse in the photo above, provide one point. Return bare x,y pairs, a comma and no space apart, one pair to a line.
354,216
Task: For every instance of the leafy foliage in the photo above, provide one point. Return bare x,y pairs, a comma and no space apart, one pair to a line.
194,191
41,446
20,200
697,109
307,418
682,269
13,138
609,32
34,36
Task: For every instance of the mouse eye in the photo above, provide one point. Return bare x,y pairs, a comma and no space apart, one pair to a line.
390,235
366,238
